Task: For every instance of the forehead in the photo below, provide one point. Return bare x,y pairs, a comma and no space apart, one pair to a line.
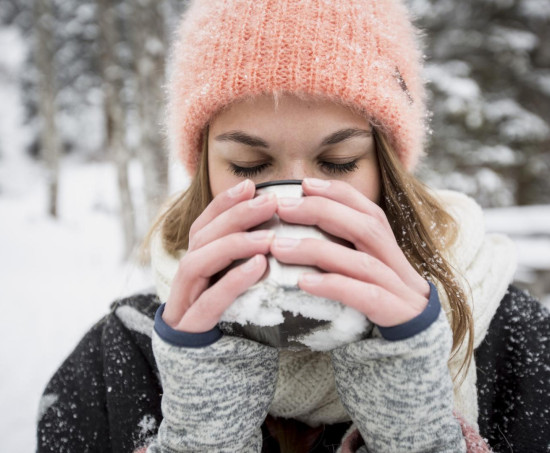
271,111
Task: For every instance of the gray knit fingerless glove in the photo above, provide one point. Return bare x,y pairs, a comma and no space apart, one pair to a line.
215,397
400,393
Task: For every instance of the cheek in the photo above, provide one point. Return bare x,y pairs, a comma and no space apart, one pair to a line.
367,181
220,179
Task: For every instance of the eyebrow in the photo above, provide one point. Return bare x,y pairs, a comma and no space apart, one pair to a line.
241,137
332,139
344,134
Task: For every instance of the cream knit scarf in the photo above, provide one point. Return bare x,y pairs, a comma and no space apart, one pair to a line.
305,386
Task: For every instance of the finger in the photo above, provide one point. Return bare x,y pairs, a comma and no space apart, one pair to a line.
196,268
335,258
345,194
243,191
206,312
237,218
365,232
335,218
380,306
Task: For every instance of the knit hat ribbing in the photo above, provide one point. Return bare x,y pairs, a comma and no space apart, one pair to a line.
361,53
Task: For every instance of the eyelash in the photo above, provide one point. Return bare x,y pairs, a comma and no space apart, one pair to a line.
329,167
248,172
333,168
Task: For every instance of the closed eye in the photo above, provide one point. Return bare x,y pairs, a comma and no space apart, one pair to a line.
248,172
335,168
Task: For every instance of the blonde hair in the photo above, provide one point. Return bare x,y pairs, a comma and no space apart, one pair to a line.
421,225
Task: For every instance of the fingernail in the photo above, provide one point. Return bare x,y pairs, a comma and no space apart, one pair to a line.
286,243
311,279
262,199
260,235
317,183
290,202
251,264
238,189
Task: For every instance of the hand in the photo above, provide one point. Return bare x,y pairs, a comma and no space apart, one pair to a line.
376,279
214,398
216,239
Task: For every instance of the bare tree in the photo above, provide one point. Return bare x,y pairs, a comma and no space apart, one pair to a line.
44,55
115,115
148,41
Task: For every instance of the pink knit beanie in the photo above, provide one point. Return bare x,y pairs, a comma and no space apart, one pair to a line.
361,53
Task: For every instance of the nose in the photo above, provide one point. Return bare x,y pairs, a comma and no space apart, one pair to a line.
296,169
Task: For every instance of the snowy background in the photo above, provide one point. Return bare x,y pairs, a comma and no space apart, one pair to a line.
59,276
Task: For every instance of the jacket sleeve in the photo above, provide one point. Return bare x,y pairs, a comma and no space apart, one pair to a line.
216,396
513,376
399,393
72,414
106,394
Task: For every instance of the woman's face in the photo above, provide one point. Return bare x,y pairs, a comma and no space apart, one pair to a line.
291,139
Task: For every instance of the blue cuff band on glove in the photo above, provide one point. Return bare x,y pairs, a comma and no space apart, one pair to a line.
418,323
184,339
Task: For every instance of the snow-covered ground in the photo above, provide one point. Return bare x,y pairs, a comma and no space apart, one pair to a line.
59,277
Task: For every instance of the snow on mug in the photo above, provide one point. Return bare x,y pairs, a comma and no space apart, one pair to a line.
276,312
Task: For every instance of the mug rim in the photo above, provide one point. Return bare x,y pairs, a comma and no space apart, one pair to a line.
279,182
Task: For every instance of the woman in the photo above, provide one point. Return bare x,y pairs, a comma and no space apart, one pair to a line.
329,93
